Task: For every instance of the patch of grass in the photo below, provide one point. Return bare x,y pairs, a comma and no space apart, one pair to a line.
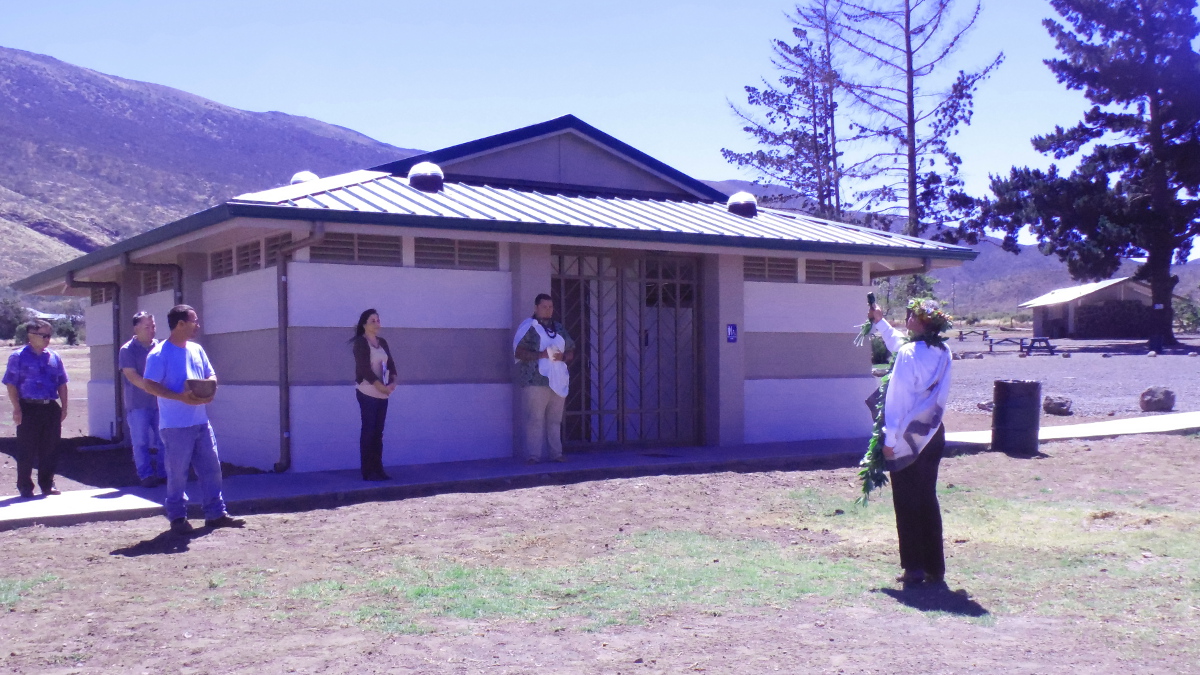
216,580
661,570
324,591
11,590
388,620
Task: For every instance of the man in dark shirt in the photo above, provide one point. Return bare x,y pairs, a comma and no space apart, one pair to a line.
37,387
141,407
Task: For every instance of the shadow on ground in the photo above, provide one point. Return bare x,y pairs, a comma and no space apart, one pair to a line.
166,543
936,598
89,468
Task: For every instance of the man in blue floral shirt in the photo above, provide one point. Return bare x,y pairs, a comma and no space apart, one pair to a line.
37,387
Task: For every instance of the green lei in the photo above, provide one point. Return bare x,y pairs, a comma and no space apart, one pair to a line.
873,466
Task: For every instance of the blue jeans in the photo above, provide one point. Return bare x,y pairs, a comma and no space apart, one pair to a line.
143,435
195,446
373,412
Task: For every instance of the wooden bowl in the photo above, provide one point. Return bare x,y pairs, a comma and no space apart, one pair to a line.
202,388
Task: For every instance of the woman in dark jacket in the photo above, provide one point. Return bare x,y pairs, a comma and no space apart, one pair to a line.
375,380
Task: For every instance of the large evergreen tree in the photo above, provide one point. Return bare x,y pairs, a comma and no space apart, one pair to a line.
1134,194
794,120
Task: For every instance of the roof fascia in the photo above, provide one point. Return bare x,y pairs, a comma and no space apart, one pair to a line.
182,226
564,123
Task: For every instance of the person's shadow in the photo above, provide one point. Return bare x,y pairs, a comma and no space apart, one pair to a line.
936,598
166,543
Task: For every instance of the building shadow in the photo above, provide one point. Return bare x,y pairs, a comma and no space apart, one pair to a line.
936,598
93,468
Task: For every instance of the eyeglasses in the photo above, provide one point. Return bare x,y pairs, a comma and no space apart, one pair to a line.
45,336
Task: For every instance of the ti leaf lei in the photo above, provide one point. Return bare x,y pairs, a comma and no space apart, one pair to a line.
872,468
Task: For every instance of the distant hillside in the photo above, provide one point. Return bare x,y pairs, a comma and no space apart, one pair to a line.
87,159
998,281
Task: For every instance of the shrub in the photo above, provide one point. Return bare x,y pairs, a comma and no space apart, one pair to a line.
12,315
879,351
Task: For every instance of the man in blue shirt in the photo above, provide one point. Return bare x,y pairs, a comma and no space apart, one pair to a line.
183,421
37,387
141,407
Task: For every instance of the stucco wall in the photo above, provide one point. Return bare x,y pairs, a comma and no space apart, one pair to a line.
426,423
804,378
158,304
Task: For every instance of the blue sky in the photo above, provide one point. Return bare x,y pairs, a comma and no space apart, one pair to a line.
657,75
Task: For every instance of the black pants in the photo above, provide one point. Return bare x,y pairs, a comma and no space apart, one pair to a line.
918,515
370,439
37,444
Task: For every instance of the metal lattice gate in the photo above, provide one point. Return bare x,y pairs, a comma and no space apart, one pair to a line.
635,379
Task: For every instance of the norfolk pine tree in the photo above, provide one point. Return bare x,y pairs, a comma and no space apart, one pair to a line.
1135,193
798,125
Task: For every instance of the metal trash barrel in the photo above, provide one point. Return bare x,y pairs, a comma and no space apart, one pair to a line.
1016,413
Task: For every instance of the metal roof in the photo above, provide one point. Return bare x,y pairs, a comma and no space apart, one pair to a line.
1061,295
380,198
375,193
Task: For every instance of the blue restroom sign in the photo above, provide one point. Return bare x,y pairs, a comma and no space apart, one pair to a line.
731,332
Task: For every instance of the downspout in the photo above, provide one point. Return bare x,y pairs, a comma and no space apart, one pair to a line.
118,390
285,379
175,270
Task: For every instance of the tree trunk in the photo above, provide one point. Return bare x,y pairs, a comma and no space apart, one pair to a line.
1157,272
911,131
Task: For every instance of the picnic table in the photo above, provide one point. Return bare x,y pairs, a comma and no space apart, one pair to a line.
1027,345
992,342
1039,343
962,334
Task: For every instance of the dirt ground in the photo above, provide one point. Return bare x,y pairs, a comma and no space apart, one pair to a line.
1084,557
457,583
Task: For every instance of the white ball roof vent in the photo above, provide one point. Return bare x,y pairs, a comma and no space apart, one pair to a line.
743,204
426,177
304,177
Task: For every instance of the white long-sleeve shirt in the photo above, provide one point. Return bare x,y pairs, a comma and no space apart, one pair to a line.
916,395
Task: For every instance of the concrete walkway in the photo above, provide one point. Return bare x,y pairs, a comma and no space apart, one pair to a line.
1156,424
283,492
272,492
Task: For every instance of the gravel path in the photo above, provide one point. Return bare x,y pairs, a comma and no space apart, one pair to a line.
1096,385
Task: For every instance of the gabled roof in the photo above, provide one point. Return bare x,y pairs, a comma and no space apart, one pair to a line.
384,197
1061,295
565,123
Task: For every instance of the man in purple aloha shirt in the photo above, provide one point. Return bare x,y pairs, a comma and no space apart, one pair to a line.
37,387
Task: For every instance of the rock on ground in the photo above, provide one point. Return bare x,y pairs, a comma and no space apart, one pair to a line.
1056,405
1157,399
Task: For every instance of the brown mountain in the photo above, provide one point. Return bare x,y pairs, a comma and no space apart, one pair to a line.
87,159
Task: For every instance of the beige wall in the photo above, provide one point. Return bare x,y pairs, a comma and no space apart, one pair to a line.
321,356
723,302
779,356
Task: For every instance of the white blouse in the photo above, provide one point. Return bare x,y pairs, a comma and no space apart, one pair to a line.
916,395
379,366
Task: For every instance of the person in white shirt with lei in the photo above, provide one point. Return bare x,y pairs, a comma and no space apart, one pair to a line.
914,436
